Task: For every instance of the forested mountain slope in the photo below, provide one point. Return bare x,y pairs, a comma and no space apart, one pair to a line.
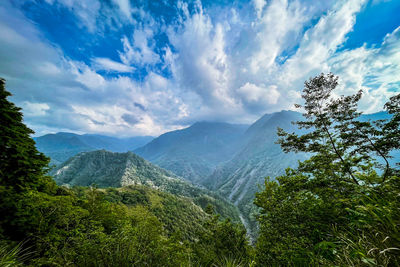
107,169
238,179
194,152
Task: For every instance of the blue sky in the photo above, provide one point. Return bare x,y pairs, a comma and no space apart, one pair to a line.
126,68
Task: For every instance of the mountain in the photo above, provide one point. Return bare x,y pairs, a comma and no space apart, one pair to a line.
259,157
194,152
108,169
61,146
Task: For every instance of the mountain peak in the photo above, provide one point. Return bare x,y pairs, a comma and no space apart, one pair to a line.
105,168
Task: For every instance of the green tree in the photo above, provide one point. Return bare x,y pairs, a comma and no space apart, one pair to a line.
22,166
305,212
221,241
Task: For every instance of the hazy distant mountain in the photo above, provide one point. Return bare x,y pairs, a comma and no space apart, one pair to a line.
108,169
259,157
61,146
194,152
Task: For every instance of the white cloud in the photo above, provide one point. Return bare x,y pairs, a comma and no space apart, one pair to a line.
375,70
201,63
111,65
86,76
259,5
277,30
139,52
87,11
321,41
253,93
125,7
260,66
81,100
232,66
35,109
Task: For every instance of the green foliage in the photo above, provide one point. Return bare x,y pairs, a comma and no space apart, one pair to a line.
334,209
91,227
376,241
108,169
222,242
13,256
22,167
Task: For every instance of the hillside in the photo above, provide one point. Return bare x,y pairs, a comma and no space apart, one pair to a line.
107,169
61,146
194,152
238,179
176,213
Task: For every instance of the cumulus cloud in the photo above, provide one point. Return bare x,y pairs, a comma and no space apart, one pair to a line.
375,70
259,5
58,93
252,67
35,109
201,62
234,66
251,92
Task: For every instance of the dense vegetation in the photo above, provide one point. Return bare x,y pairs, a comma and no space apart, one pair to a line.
340,207
107,169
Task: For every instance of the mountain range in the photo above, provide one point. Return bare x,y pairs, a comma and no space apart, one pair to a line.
232,160
61,146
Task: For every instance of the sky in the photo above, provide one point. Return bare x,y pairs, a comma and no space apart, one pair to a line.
129,68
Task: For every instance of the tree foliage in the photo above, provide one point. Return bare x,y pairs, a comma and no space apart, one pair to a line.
22,167
335,208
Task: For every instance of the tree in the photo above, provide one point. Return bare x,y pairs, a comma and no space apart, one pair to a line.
220,241
308,213
336,134
22,166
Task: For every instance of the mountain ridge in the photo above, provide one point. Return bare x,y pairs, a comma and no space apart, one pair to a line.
63,145
106,169
195,151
